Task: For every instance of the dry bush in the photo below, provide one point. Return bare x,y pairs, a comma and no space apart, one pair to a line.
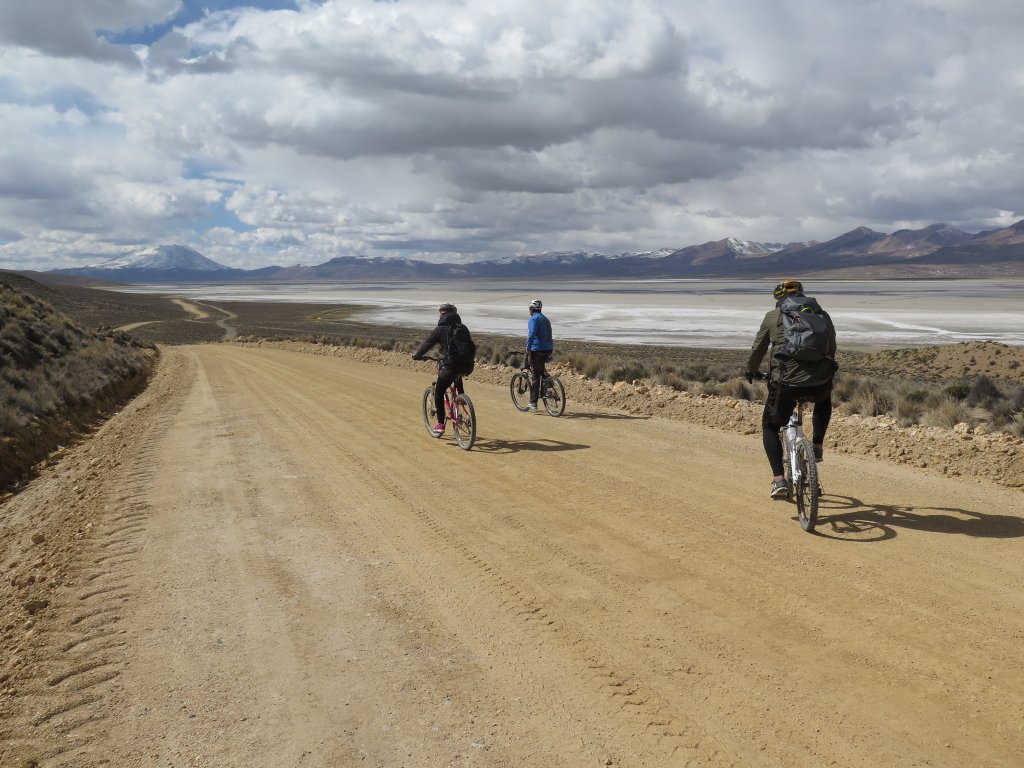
946,413
984,392
736,388
908,408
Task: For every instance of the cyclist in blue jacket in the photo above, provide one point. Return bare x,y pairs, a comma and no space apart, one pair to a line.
539,346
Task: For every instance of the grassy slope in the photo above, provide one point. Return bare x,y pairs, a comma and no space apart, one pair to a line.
56,377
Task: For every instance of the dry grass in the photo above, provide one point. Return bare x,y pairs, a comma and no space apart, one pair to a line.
55,376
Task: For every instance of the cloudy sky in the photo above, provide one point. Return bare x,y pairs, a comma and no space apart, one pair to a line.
294,131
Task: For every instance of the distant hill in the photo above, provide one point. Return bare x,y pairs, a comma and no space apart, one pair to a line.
934,251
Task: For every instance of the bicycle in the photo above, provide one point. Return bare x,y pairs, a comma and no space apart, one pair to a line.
552,393
458,410
801,469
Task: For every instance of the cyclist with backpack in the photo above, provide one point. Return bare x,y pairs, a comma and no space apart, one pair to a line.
803,342
539,346
458,356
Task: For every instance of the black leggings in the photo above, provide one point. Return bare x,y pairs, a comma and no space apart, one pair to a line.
778,407
445,377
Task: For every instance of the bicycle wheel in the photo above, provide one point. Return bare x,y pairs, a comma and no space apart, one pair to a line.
429,411
465,424
804,486
519,387
553,394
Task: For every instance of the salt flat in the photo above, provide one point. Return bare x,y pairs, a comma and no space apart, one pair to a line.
719,313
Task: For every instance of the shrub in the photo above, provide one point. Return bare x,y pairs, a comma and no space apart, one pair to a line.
629,372
914,396
947,413
736,388
983,391
958,391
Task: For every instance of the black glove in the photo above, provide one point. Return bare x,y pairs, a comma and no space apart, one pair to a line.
749,376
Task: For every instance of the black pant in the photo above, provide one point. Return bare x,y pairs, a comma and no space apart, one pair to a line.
536,362
778,407
445,377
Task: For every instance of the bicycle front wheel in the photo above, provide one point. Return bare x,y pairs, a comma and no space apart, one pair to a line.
429,411
465,422
805,486
519,387
553,394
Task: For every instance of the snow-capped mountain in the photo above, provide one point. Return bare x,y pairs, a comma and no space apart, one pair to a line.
750,249
162,257
936,250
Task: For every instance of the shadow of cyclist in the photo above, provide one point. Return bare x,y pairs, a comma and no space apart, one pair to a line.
593,416
852,519
495,445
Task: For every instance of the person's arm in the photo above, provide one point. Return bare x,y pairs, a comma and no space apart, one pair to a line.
531,336
426,346
760,346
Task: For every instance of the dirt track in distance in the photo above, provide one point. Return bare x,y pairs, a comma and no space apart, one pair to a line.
280,568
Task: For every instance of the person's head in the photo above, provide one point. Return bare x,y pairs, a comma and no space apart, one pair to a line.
788,287
536,306
446,309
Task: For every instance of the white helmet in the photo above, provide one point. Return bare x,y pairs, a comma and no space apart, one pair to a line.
536,304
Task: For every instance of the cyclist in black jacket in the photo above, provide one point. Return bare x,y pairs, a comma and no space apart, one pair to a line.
449,370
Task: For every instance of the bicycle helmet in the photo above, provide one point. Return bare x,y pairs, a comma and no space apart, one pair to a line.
788,288
445,308
536,304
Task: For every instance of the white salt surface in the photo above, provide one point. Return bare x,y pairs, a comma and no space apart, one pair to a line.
718,313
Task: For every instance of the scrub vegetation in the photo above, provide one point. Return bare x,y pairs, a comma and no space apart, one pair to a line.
57,378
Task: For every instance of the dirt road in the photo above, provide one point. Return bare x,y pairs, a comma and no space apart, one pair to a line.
265,561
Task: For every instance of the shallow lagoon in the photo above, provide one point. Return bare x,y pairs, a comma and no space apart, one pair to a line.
719,313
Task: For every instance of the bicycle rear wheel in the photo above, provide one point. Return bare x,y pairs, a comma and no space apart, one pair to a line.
465,422
429,411
805,486
519,387
553,394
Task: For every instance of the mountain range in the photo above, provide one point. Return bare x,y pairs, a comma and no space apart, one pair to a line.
934,251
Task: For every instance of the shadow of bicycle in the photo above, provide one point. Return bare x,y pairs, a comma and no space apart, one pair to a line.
495,445
593,416
851,519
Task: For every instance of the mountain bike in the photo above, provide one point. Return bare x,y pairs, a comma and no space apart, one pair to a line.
459,412
801,469
552,393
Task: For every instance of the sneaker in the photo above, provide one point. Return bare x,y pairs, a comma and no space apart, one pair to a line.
780,489
532,407
437,430
819,453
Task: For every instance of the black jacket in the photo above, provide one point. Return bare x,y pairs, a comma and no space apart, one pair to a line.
440,336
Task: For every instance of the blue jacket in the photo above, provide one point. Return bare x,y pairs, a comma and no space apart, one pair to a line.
539,338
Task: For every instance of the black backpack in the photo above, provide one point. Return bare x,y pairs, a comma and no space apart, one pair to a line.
805,328
461,348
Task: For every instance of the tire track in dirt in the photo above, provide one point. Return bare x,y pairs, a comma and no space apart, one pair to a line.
65,708
526,619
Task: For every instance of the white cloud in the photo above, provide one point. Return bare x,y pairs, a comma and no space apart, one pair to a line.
459,130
